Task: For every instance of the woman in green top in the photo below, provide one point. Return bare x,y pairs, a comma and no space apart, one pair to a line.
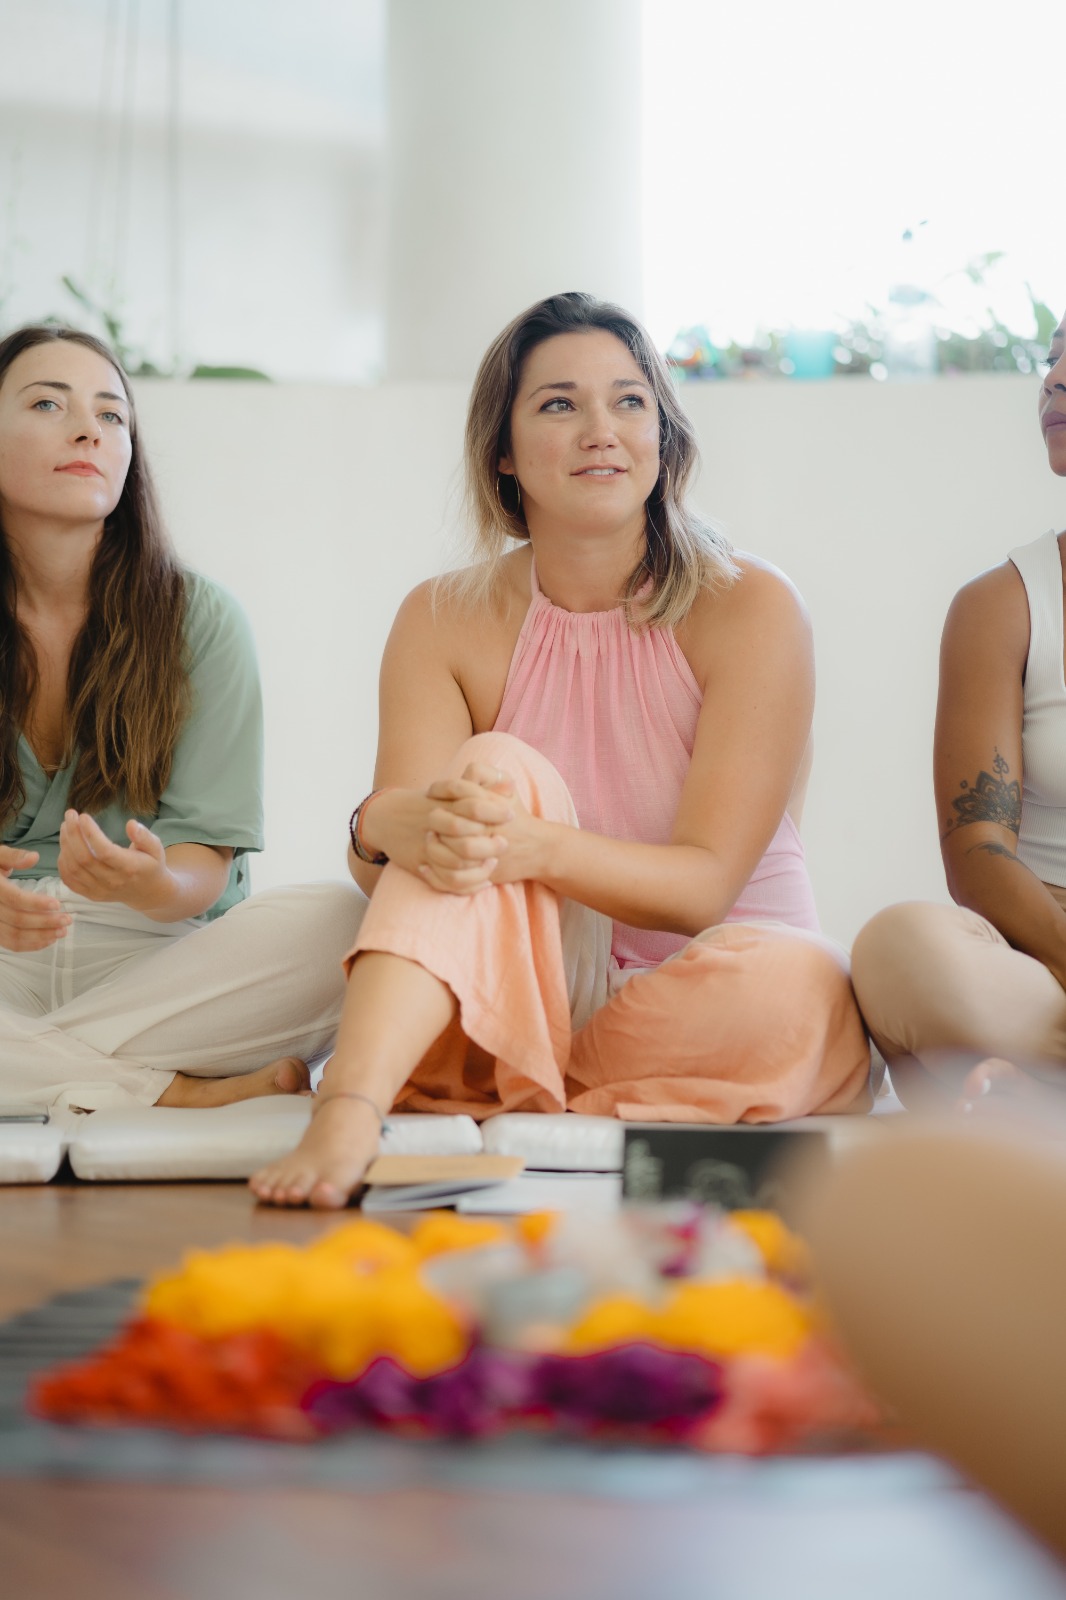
130,782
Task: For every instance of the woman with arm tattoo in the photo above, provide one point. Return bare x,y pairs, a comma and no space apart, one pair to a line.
966,994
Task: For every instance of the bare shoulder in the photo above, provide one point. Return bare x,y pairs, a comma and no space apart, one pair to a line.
764,587
417,634
759,617
991,611
453,601
761,598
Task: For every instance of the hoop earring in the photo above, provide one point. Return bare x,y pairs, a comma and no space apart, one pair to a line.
499,496
664,492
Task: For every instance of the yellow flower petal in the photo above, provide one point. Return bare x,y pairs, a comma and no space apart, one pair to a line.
616,1319
366,1244
441,1231
784,1253
736,1317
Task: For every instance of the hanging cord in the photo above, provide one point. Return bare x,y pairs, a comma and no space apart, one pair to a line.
99,174
174,182
124,165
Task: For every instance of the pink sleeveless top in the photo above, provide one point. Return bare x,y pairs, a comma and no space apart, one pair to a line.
615,712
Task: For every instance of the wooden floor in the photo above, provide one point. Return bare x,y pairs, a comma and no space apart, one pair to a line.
108,1541
66,1235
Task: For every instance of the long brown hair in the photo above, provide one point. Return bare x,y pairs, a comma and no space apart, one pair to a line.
683,552
127,684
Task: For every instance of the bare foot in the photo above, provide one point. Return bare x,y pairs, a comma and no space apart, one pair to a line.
995,1086
289,1075
328,1163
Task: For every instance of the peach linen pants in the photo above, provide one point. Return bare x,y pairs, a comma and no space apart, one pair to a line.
936,981
748,1023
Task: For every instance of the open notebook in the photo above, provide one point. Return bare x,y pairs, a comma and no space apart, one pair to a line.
419,1183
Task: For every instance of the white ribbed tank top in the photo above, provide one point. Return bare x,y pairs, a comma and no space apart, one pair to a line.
1042,836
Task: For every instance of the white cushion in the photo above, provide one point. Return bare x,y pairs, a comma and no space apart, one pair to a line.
564,1141
30,1152
165,1142
414,1133
569,1142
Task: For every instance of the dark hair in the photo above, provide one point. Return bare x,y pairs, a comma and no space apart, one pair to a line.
127,684
683,552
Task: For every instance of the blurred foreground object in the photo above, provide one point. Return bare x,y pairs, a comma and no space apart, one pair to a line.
942,1255
671,1324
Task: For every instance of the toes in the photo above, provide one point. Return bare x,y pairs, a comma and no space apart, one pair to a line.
326,1196
279,1186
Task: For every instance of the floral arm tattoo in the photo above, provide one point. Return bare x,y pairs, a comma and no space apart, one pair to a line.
991,799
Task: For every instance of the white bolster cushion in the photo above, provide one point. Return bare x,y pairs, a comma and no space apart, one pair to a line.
569,1142
562,1141
166,1142
30,1152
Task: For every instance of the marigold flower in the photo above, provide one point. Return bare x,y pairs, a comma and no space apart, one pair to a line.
226,1291
414,1326
318,1300
440,1231
365,1244
534,1227
734,1317
614,1320
784,1253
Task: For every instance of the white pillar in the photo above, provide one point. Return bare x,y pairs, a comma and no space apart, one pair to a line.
514,168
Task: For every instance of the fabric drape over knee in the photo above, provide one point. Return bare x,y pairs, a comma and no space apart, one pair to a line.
748,1022
499,952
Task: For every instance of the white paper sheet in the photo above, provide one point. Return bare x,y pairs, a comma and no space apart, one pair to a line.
548,1191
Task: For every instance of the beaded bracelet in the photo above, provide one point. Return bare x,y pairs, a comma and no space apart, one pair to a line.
379,860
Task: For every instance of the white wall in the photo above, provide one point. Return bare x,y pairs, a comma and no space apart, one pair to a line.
490,210
321,506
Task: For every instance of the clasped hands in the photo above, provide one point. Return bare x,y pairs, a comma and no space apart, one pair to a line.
464,834
90,864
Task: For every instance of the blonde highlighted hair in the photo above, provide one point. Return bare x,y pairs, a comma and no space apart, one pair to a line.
683,552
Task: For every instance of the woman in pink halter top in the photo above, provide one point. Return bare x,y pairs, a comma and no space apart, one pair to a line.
588,892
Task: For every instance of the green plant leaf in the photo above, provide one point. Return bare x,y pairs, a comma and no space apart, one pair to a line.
251,373
79,294
1046,320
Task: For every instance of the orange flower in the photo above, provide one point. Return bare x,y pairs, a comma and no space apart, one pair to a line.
784,1253
535,1227
366,1244
341,1302
224,1291
710,1319
441,1231
616,1319
737,1316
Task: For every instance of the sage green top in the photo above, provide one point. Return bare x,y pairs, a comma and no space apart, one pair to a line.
215,792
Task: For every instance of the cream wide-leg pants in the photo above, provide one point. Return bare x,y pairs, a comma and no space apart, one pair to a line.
108,1015
940,985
